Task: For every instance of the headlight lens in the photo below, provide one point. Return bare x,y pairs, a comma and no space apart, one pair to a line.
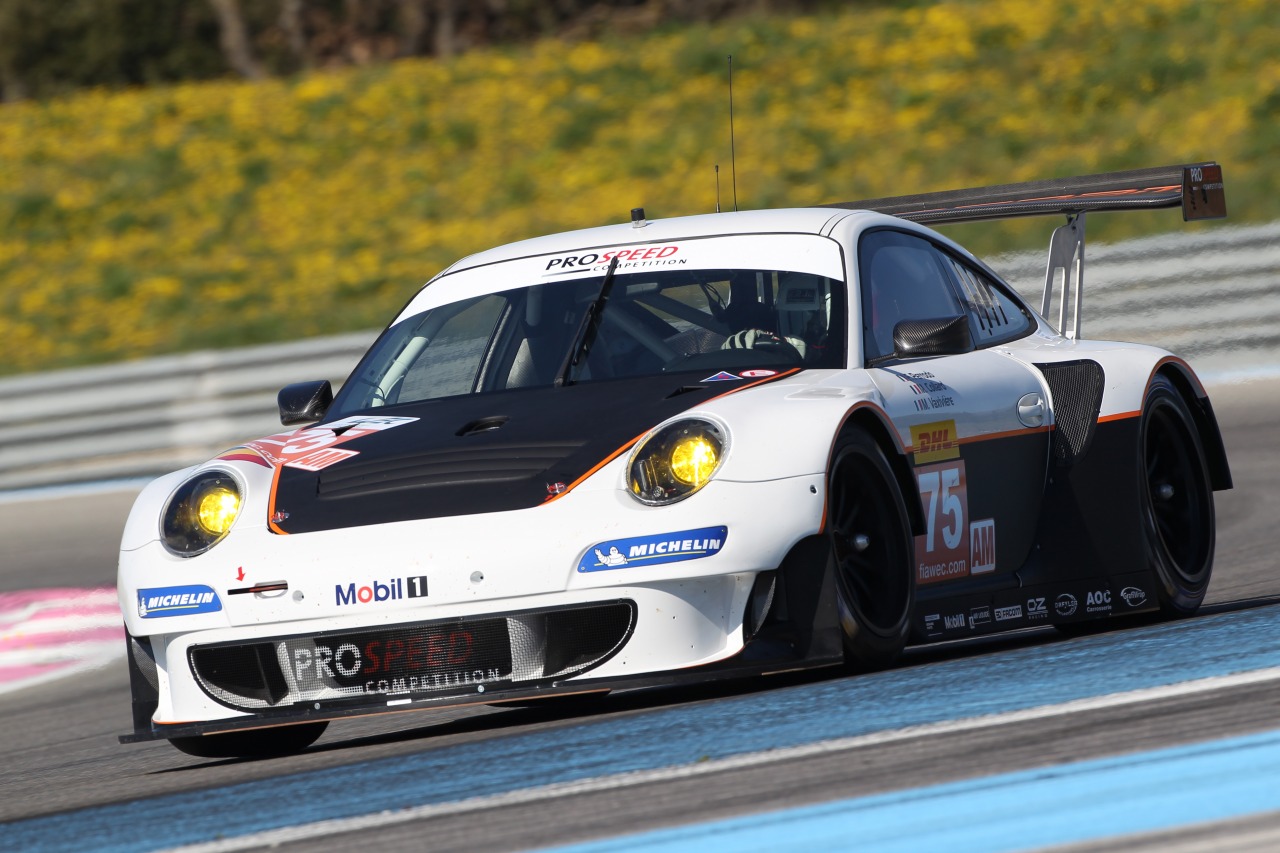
676,461
200,513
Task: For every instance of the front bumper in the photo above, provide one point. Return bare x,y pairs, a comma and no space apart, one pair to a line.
305,653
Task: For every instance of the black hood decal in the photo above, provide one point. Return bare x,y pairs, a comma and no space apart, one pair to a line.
482,453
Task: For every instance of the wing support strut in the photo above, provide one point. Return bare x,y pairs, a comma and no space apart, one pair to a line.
1065,275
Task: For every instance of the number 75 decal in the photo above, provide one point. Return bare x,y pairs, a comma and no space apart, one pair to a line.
952,546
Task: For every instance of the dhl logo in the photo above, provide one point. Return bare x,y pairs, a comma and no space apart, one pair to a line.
935,442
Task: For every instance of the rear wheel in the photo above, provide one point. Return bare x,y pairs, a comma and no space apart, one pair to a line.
871,553
1177,500
255,743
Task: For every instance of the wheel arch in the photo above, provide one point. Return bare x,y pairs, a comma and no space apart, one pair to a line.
874,423
1193,394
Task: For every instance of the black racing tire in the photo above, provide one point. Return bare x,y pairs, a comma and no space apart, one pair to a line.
1177,500
255,743
874,577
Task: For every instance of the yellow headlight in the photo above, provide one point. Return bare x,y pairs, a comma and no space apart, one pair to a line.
676,460
693,459
200,513
217,509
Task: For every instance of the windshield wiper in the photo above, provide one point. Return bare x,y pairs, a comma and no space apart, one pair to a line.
586,334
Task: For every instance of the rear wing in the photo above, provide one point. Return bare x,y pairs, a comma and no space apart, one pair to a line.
1197,188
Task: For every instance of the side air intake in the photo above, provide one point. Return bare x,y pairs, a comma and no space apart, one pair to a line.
1077,388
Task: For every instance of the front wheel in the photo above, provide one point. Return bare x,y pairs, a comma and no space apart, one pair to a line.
871,553
255,743
1177,500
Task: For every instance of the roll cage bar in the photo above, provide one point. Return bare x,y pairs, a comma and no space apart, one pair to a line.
1197,188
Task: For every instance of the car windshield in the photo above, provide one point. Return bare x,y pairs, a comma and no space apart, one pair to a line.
645,323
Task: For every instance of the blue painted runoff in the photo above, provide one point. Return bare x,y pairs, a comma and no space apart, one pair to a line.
1030,809
956,689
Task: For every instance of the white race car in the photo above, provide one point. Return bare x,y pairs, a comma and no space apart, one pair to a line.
680,450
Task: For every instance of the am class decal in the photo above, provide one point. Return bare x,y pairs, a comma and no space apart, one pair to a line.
650,550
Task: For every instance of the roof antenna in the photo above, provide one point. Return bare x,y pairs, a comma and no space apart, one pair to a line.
733,159
717,187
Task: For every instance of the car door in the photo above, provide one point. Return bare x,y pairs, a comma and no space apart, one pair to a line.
975,421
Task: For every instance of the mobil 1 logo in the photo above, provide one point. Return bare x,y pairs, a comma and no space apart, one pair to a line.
394,589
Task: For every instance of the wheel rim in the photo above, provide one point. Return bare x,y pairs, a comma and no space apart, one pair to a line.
868,544
1177,493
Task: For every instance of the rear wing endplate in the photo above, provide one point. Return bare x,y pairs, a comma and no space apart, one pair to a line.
1197,188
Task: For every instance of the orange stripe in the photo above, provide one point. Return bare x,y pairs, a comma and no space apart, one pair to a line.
1119,416
991,436
1198,386
271,502
1091,195
1006,434
624,448
594,468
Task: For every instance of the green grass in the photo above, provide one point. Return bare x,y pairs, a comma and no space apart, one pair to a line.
229,213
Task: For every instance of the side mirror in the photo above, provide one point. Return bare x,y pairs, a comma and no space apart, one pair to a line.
304,402
939,336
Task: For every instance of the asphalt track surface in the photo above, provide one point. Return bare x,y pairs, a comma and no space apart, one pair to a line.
959,723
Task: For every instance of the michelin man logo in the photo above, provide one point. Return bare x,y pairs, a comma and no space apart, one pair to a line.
612,559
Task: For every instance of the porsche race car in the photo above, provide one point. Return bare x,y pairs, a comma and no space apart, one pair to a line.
660,452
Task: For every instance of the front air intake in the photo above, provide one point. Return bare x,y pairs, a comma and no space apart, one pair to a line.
440,658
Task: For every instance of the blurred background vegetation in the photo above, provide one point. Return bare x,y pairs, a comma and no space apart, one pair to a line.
180,174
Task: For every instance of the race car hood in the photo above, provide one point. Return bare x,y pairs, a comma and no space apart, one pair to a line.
475,454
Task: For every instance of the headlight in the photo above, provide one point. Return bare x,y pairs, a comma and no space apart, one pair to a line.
200,513
676,461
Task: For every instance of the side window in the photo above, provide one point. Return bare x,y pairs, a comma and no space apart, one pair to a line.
994,316
449,355
902,278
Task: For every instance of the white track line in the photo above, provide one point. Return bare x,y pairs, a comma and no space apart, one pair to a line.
753,759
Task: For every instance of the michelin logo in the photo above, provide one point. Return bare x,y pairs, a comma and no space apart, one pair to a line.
651,550
177,601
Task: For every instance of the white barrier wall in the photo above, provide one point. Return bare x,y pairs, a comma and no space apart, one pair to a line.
1212,296
152,416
